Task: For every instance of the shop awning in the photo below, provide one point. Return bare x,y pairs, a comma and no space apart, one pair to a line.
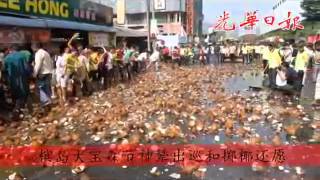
24,22
125,32
51,23
78,26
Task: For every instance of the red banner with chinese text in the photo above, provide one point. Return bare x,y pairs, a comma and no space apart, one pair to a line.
147,155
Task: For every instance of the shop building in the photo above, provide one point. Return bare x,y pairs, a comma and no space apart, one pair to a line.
194,17
169,15
172,20
54,22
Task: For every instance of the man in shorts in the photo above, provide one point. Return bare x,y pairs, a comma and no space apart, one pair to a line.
61,76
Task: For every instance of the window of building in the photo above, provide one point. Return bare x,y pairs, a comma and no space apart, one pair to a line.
161,17
136,18
172,19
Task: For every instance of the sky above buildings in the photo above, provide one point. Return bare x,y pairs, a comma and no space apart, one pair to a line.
212,9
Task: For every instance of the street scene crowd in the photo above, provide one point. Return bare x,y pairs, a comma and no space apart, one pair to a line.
159,89
77,71
128,96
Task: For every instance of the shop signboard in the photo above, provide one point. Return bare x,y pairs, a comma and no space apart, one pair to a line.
159,4
183,39
99,39
169,40
121,11
80,10
172,28
99,13
23,35
190,16
154,27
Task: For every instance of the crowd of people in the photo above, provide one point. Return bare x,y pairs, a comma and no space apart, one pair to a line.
287,64
216,53
199,54
66,75
77,71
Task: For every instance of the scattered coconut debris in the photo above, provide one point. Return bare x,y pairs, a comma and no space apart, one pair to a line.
78,169
175,176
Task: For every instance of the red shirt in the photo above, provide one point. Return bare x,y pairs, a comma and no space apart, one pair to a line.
165,51
120,54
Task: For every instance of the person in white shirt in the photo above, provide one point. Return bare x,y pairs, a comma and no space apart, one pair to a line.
62,78
286,53
232,52
281,79
154,59
83,68
316,62
223,52
110,61
43,69
316,72
311,53
142,59
109,70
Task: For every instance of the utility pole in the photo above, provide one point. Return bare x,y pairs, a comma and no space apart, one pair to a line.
153,13
153,18
148,24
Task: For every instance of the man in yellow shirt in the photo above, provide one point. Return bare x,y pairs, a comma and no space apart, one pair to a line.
190,54
273,63
93,64
183,56
71,62
71,67
301,63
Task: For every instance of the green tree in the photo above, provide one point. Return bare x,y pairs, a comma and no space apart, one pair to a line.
312,9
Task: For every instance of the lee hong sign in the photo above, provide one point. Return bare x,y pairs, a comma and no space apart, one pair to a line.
73,10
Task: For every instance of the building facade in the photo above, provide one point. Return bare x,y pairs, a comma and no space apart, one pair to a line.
194,17
54,21
170,15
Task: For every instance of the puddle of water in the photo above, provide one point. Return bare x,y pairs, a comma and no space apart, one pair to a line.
242,83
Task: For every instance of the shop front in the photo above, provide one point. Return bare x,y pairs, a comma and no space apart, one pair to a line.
23,36
53,21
